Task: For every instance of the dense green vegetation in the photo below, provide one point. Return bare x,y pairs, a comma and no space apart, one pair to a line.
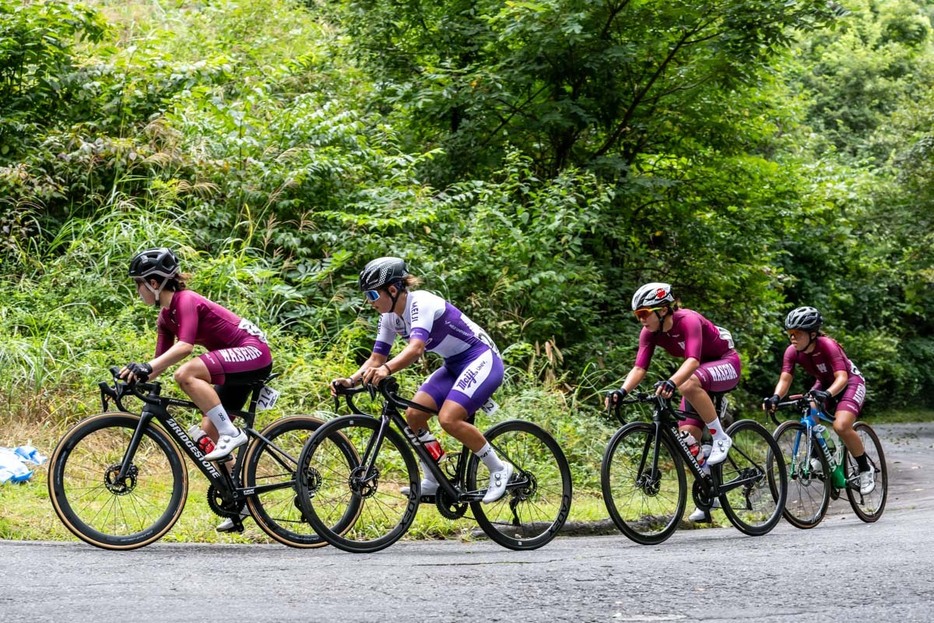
535,162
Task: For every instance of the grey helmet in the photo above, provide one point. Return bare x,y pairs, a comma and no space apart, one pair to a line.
652,295
382,272
154,263
804,318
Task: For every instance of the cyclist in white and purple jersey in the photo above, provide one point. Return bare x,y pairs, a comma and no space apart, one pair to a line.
471,372
710,362
216,381
834,374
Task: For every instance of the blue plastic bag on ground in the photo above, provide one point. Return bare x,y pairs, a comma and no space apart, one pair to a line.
13,463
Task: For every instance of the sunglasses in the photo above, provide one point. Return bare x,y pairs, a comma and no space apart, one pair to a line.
371,295
645,312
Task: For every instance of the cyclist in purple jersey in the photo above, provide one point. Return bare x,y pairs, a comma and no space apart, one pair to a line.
710,362
471,372
836,379
216,381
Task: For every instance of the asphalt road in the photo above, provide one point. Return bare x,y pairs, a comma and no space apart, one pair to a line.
843,570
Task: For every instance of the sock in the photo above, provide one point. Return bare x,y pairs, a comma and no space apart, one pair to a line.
489,458
221,421
716,429
863,462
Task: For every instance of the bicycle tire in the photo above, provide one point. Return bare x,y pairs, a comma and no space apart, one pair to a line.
329,490
647,507
751,473
537,502
106,514
868,507
277,511
808,488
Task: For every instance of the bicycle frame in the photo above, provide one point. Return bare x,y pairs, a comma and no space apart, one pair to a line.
389,415
804,404
155,407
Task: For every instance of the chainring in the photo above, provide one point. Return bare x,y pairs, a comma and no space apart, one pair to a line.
221,508
449,508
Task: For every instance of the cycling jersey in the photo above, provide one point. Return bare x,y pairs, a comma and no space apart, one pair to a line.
827,358
472,368
444,329
691,336
235,345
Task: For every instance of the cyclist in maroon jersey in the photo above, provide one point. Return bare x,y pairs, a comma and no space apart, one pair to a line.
218,380
836,379
711,364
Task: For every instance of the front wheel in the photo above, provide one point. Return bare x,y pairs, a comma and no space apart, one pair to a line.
868,506
269,468
808,475
331,490
753,479
110,512
538,497
645,494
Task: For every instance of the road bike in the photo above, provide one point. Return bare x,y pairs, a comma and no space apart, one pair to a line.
532,511
117,480
818,473
644,484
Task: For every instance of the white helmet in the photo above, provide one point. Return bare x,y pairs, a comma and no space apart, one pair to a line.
652,295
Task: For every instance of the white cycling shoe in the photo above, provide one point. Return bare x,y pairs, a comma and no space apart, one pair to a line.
228,524
498,481
226,444
720,448
429,487
702,516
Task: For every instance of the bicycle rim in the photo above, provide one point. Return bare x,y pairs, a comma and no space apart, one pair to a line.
277,511
645,502
97,508
869,506
538,498
808,481
331,489
754,479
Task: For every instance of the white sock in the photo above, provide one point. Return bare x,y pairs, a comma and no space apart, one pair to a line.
221,421
489,458
716,429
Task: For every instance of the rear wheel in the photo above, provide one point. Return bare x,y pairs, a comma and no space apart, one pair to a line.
868,506
270,468
537,498
753,480
645,497
111,512
331,490
808,476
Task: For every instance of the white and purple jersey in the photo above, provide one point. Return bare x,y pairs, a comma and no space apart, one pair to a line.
445,330
472,368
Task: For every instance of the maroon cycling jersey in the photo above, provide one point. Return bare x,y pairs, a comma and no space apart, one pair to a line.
691,336
827,358
193,319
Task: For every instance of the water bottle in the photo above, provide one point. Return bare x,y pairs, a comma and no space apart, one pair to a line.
431,444
694,447
201,438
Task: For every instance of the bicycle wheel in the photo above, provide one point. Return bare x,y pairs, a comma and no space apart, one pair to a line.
753,480
645,499
538,497
330,489
808,476
270,466
867,507
102,511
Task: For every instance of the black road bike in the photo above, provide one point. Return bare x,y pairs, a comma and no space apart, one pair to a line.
812,466
644,483
118,480
533,509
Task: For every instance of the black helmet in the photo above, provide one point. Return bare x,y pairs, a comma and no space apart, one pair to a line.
159,262
652,295
381,272
804,318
